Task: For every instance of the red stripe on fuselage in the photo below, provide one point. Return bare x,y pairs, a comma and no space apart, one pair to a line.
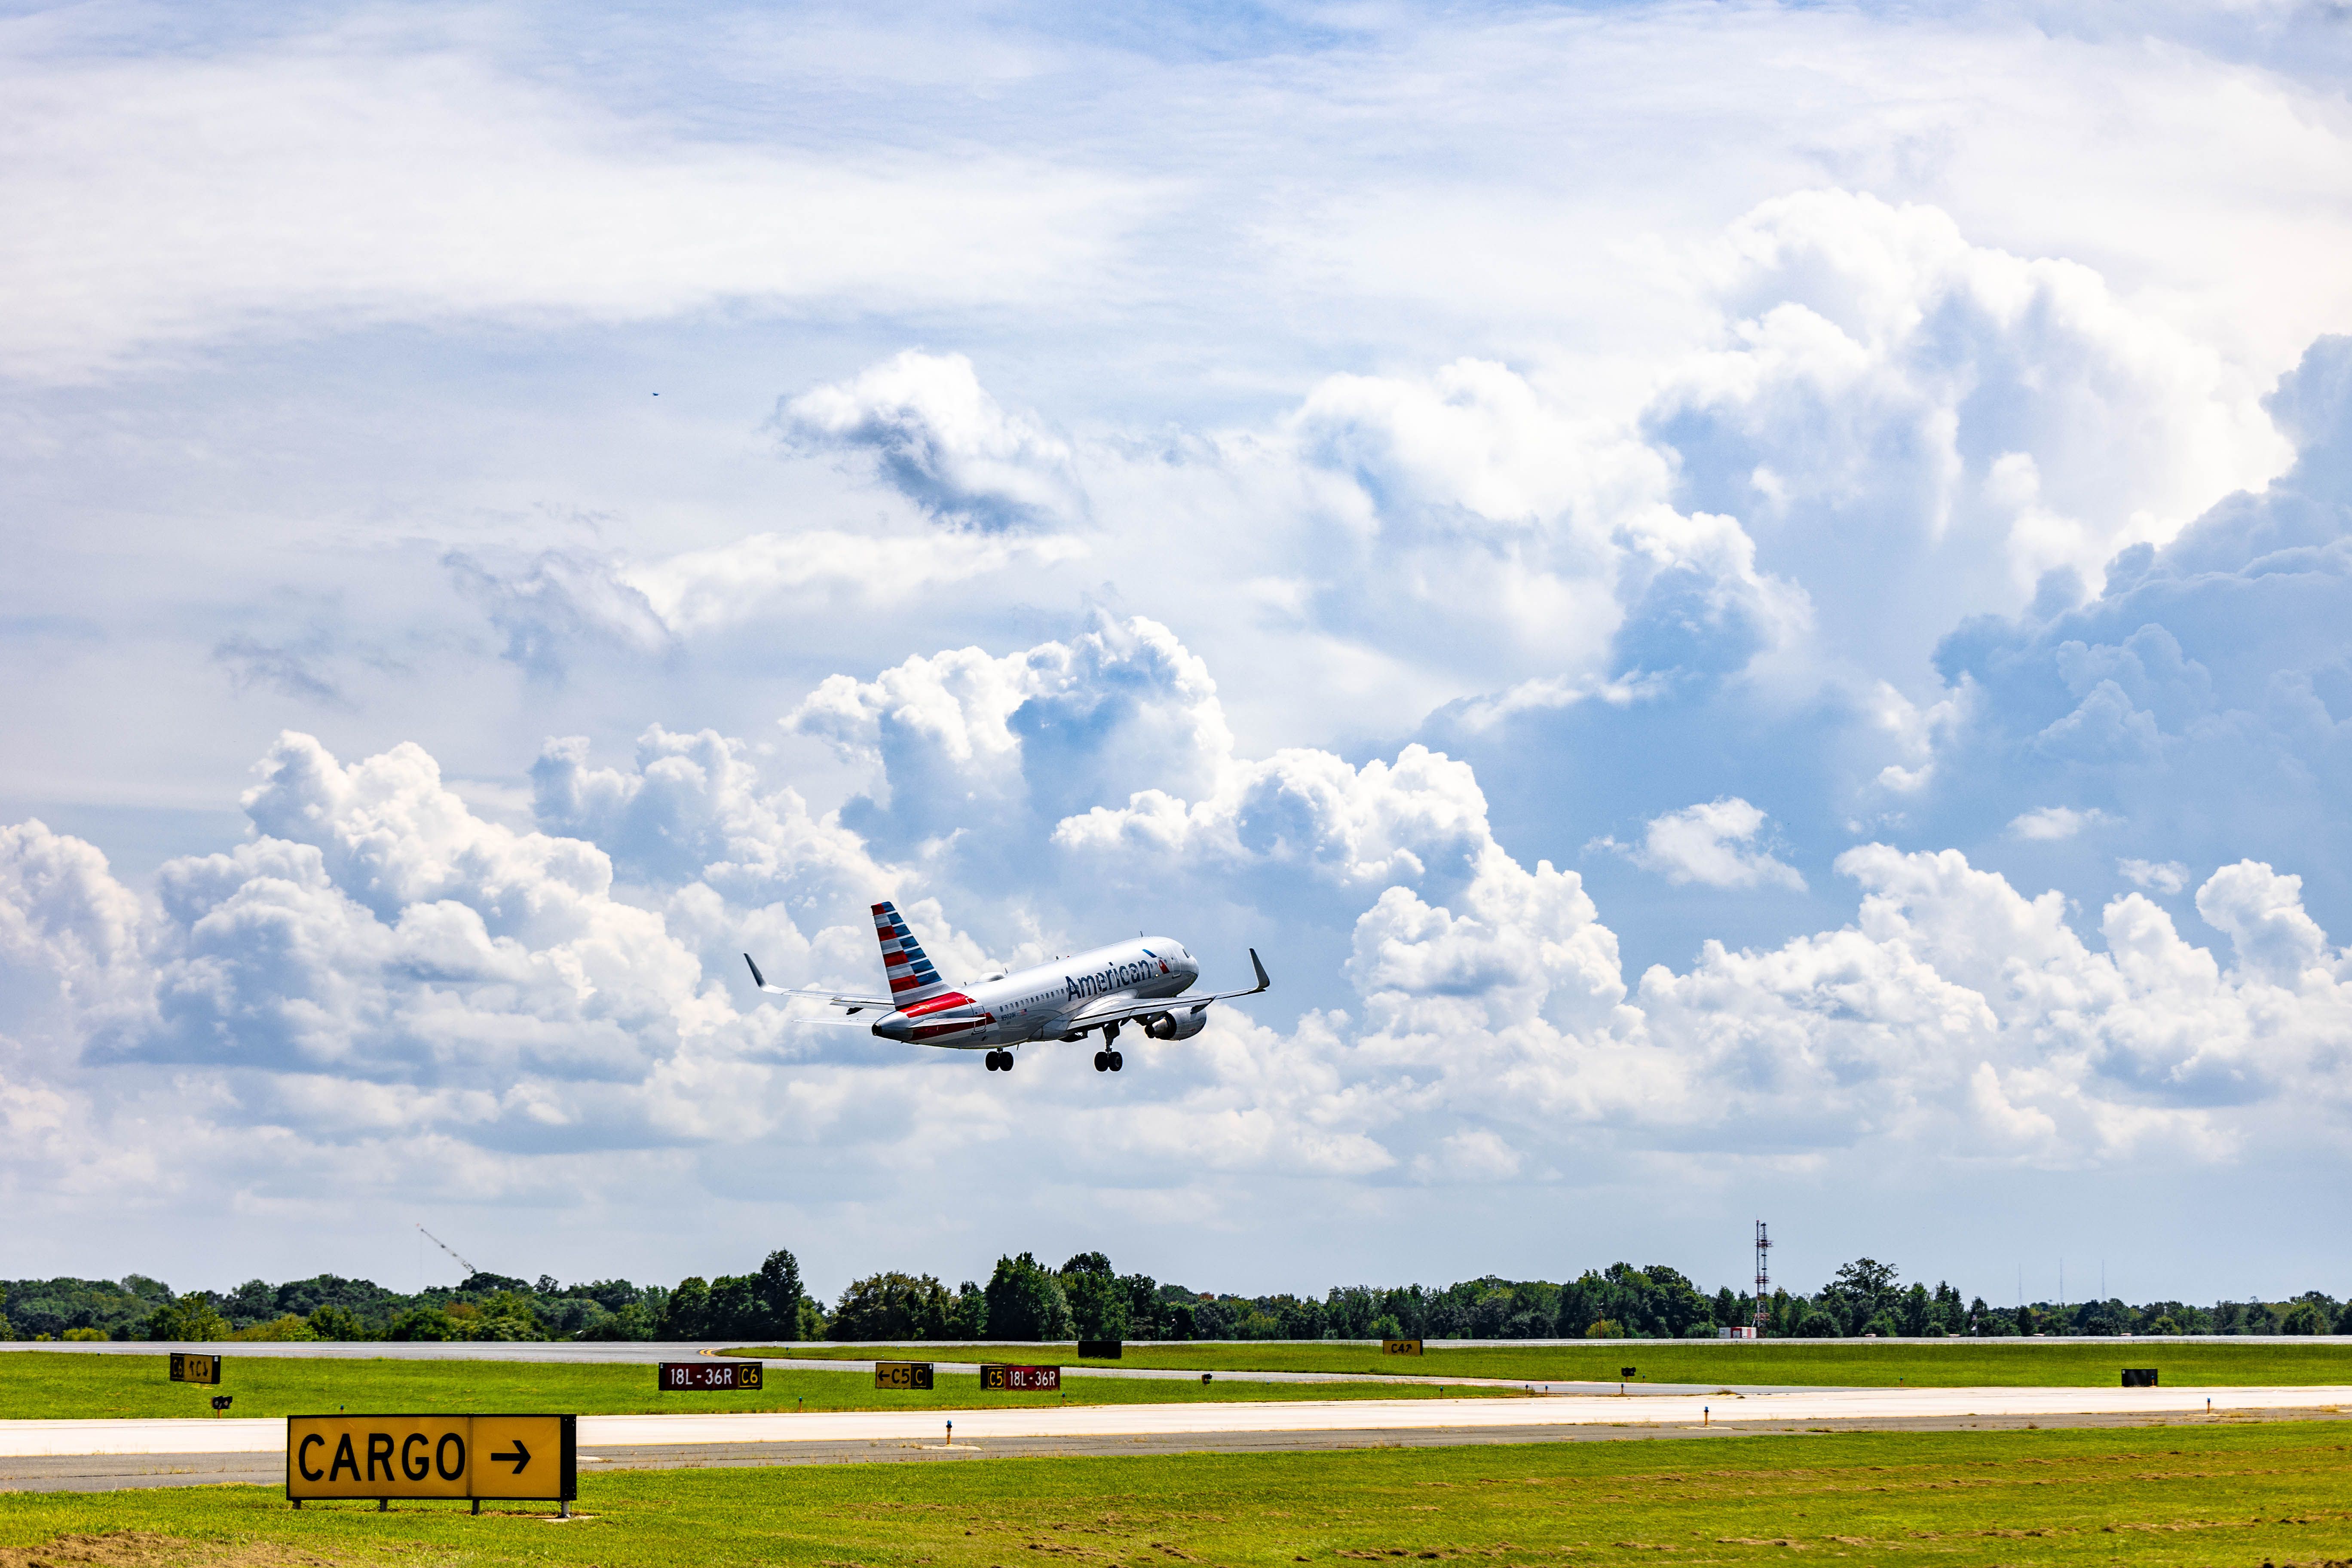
935,1004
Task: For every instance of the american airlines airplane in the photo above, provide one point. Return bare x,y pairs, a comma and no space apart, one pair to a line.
1140,983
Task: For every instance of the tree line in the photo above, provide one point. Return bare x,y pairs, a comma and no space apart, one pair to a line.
1024,1300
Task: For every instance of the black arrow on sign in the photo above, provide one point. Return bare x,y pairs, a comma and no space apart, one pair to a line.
522,1456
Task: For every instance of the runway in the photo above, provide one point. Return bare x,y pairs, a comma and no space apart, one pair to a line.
105,1455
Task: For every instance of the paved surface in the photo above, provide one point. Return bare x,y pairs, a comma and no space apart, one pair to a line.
198,1436
110,1472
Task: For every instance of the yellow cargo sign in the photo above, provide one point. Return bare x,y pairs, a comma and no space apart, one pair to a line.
383,1456
191,1368
1400,1347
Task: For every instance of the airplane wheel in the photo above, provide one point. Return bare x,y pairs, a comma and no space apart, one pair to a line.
1007,1057
988,1061
1101,1062
1117,1061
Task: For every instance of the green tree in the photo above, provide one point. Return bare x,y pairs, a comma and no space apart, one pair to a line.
2305,1317
506,1316
686,1314
189,1319
1144,1314
779,1296
1861,1290
893,1307
1025,1302
1098,1303
333,1322
736,1311
424,1323
970,1319
285,1328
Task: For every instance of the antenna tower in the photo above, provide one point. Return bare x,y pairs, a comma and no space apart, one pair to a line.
1763,1274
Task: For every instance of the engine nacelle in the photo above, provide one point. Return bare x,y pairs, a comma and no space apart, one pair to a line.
1178,1025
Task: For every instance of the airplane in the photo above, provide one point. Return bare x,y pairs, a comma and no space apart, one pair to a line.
1140,983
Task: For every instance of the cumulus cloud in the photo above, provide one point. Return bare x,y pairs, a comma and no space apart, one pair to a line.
1272,573
939,439
1713,844
1918,429
378,964
2201,690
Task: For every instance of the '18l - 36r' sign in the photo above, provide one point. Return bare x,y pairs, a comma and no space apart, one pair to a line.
1020,1379
680,1375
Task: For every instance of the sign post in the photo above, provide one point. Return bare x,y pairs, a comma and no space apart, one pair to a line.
1001,1379
187,1367
909,1374
1400,1347
512,1458
709,1376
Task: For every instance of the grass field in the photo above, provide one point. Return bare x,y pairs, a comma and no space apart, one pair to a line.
2220,1494
53,1386
1922,1364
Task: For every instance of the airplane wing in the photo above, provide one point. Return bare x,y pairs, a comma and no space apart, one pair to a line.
1120,1009
853,1004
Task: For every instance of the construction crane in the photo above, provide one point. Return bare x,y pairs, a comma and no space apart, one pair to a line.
471,1270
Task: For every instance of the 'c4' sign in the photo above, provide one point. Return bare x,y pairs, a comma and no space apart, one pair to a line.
508,1456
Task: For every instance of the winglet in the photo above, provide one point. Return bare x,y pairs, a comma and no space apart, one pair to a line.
1263,983
758,979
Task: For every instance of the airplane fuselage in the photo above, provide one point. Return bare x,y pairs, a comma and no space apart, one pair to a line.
1048,1001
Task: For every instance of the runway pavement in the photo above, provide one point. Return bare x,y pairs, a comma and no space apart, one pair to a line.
162,1437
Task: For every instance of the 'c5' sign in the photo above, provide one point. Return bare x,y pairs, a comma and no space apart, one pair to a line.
507,1456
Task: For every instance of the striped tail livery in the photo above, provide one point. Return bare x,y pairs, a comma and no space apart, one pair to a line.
912,978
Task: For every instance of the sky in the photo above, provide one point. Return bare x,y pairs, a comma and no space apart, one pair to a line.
1746,603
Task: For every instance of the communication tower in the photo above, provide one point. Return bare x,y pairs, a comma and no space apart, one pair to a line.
1763,1274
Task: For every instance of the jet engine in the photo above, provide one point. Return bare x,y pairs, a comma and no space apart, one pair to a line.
1178,1025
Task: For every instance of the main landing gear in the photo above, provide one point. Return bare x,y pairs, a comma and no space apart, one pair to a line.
999,1061
1108,1061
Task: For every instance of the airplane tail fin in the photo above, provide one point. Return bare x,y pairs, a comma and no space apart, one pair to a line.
912,978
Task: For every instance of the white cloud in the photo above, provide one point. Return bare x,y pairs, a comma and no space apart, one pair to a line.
2156,876
343,179
937,436
1310,482
2053,823
379,965
1712,844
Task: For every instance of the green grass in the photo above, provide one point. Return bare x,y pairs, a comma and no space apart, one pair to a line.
2191,1494
53,1385
1947,1363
